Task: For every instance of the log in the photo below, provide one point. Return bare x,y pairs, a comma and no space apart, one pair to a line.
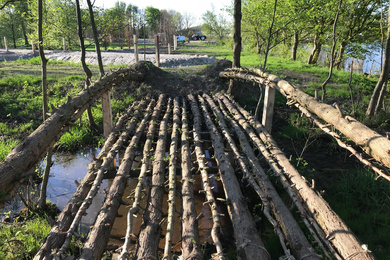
296,238
99,234
341,237
201,159
146,161
190,242
57,234
372,143
107,164
32,149
172,179
248,242
151,230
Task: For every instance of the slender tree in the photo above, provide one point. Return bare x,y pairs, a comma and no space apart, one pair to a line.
323,86
236,43
87,71
375,102
42,197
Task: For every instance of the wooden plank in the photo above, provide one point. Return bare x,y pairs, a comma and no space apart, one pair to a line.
268,110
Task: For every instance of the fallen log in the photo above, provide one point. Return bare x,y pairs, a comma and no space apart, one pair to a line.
372,143
99,234
107,164
28,154
296,238
341,237
172,179
248,242
57,234
149,237
190,243
201,159
146,161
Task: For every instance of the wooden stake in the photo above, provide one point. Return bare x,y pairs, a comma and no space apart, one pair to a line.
174,42
135,37
157,45
107,113
268,110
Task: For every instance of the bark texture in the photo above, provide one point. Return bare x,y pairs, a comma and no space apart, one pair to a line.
373,143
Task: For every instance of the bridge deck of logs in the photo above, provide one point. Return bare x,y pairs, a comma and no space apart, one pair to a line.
166,138
165,144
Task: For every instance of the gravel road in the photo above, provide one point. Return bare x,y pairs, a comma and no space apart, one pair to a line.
112,57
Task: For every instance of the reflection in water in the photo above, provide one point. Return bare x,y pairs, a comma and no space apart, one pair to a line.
66,169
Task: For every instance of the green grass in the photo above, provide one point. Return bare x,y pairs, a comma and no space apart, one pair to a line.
22,241
363,202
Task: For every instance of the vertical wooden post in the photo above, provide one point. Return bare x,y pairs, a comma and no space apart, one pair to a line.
169,48
33,47
107,114
63,43
5,43
174,42
316,94
156,43
135,37
268,110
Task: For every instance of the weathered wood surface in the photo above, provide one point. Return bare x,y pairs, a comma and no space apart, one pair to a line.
99,234
172,179
28,154
57,234
373,143
248,242
151,230
202,166
191,247
297,240
332,225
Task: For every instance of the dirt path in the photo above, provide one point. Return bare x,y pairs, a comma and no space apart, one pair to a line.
112,57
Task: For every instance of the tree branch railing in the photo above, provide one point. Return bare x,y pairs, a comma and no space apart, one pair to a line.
370,141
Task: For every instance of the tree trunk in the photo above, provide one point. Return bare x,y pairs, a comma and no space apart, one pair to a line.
248,242
339,60
267,48
236,44
375,98
87,71
42,197
295,45
323,86
315,52
147,247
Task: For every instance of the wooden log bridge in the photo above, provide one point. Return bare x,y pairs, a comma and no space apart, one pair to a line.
169,140
179,150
